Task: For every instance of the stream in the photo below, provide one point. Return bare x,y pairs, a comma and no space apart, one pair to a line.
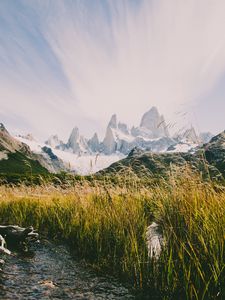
50,272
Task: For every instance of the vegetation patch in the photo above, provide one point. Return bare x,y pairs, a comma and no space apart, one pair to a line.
106,225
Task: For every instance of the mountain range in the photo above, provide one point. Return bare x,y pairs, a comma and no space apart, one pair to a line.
84,156
152,134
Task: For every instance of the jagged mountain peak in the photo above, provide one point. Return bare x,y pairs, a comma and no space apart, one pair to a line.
150,116
119,138
154,123
75,132
109,141
113,121
73,139
77,142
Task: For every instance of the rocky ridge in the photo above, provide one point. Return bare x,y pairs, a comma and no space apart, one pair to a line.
208,160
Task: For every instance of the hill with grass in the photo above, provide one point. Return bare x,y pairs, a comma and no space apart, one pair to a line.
17,158
208,159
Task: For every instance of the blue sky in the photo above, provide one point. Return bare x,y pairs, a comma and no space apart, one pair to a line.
67,63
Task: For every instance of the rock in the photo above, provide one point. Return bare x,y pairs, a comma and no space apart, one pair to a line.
47,283
155,241
3,249
17,236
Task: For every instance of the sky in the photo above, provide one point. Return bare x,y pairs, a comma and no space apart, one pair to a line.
67,63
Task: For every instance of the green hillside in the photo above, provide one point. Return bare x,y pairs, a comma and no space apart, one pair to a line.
18,163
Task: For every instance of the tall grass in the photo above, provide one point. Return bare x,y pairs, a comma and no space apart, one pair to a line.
107,225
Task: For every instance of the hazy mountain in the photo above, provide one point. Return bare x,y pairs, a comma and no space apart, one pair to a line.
151,135
119,138
84,156
154,123
53,141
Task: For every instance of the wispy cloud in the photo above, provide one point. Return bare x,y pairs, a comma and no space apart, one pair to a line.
77,62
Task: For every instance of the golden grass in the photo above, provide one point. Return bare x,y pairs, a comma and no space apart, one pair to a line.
106,225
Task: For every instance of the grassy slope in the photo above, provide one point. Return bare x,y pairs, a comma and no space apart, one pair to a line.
107,225
19,166
209,160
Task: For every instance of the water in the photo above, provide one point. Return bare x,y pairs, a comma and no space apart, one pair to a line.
50,272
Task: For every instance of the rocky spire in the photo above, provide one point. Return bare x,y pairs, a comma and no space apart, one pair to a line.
113,121
93,143
77,143
149,118
109,142
155,123
73,139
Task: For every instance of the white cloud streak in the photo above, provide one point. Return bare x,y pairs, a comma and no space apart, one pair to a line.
166,53
125,57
